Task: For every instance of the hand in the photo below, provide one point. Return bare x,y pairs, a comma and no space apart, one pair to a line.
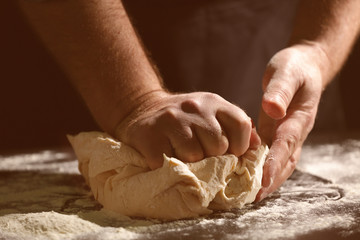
292,86
187,126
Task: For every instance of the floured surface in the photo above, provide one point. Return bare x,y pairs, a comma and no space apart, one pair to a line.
320,201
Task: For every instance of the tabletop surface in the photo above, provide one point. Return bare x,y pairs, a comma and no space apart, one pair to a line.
43,196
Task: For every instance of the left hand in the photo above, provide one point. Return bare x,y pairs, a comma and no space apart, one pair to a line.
292,86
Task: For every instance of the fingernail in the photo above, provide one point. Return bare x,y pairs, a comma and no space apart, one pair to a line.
261,197
274,106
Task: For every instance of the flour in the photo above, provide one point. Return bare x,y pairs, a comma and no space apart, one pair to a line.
45,225
283,217
52,225
48,199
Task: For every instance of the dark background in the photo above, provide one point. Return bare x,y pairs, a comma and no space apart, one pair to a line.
38,105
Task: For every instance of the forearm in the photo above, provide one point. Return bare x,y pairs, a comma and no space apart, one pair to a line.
96,45
330,26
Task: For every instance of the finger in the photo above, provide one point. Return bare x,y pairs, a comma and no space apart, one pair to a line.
279,90
212,138
282,173
266,127
255,140
288,137
153,147
185,144
238,128
277,159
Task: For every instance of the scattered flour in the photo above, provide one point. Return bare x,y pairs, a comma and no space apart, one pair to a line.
52,225
42,196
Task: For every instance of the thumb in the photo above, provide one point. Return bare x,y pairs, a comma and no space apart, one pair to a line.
279,89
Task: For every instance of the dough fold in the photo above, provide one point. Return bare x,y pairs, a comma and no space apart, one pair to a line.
122,182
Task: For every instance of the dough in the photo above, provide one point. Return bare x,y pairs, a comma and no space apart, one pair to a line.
122,182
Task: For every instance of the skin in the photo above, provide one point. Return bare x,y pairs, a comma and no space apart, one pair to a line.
189,126
97,46
295,77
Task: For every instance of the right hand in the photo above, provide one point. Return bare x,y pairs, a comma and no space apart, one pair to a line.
292,85
188,126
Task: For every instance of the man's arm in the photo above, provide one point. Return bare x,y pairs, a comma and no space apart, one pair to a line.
331,25
323,35
97,46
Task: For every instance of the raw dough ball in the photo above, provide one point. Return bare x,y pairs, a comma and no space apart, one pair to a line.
122,182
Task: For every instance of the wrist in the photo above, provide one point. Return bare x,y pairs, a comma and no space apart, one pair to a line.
133,106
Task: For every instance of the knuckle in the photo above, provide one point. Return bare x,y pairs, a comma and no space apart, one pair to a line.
222,145
246,124
238,123
191,106
213,96
290,142
292,162
216,147
242,127
239,119
170,114
181,131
